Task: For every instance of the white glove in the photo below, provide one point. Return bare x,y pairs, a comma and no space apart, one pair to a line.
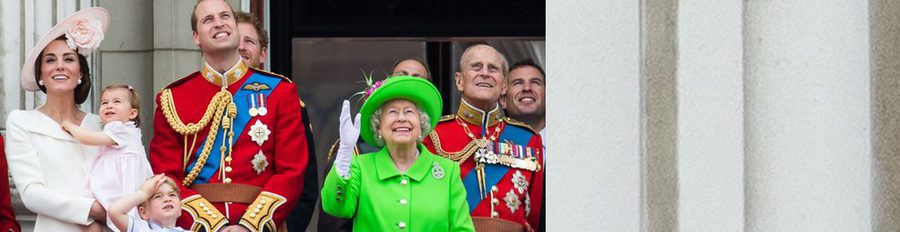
349,134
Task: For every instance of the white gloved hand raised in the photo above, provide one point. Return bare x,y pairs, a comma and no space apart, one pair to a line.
349,134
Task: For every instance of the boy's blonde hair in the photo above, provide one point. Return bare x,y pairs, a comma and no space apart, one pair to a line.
168,181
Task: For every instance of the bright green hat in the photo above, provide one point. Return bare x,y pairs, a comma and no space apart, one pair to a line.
415,89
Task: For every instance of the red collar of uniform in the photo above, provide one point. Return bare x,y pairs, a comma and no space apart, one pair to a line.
476,116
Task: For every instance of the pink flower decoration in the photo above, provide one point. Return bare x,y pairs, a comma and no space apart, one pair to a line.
372,88
85,36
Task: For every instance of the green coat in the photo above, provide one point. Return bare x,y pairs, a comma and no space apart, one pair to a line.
429,197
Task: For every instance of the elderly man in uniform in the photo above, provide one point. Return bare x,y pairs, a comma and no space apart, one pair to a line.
232,135
500,158
253,48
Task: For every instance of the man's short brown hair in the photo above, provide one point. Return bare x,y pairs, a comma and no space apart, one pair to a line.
194,14
244,17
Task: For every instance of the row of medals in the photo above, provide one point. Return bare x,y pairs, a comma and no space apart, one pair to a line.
484,153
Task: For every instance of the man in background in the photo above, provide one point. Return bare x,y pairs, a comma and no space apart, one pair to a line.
254,43
525,98
411,67
525,101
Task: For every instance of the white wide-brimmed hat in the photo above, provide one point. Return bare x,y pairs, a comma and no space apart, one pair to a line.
83,30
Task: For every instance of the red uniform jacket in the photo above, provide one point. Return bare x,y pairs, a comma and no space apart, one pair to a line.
269,173
7,216
510,189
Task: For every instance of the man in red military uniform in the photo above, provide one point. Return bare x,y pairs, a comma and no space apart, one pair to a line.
231,135
7,216
500,158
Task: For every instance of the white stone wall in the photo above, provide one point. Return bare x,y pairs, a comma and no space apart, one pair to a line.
755,116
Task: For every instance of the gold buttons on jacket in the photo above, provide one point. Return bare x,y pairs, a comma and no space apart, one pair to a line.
494,189
495,201
495,214
227,180
228,169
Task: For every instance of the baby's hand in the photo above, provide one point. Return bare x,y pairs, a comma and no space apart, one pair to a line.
66,125
151,185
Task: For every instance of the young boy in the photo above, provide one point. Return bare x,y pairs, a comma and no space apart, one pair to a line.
159,206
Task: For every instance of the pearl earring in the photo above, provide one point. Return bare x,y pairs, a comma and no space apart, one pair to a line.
41,82
79,81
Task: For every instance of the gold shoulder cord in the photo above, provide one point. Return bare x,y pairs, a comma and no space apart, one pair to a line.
218,105
459,156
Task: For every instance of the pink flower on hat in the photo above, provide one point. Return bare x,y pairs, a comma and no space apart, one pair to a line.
85,36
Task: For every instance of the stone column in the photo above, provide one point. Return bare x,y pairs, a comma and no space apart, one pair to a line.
885,23
126,55
596,181
12,53
658,86
174,52
710,96
808,117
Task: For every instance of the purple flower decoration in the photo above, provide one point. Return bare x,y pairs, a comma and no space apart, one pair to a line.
372,88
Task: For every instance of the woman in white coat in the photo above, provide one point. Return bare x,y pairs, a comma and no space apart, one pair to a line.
45,162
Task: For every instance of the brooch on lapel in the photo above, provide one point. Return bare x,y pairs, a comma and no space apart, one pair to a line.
259,132
437,172
259,163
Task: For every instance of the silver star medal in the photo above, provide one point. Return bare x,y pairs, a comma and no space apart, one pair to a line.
259,133
483,153
259,163
519,182
437,172
512,201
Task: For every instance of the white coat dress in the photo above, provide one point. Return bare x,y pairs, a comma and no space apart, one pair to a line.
46,165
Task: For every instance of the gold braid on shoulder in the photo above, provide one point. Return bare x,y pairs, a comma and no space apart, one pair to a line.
459,156
168,107
218,105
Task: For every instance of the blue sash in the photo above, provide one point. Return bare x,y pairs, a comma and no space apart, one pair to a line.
240,122
494,172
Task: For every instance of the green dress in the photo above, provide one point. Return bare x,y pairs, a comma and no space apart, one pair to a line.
429,197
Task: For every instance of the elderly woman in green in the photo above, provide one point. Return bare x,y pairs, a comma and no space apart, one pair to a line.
402,187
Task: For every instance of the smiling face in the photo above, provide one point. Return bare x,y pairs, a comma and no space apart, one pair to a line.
526,92
60,68
164,206
216,27
400,123
250,46
481,77
115,105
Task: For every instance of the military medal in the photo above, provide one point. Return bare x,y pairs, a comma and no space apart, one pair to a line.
252,111
512,201
262,105
484,152
259,132
527,205
259,162
519,182
437,172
